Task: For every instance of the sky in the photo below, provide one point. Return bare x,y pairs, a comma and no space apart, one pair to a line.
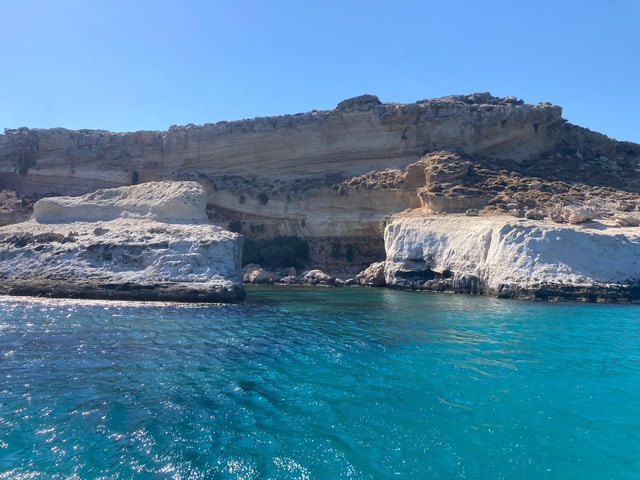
126,65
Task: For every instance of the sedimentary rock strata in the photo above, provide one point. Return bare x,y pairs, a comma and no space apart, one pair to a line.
147,242
313,175
359,135
334,178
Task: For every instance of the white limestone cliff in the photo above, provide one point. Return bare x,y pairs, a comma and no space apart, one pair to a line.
170,202
280,175
359,135
511,258
332,178
144,242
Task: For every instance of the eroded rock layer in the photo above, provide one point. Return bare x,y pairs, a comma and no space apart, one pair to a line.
315,190
315,175
510,258
148,242
359,135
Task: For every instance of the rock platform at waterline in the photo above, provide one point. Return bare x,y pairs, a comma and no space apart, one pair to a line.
501,256
150,242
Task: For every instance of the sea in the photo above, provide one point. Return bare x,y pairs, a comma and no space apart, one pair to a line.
319,383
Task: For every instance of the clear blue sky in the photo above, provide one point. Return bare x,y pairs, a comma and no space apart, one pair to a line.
127,65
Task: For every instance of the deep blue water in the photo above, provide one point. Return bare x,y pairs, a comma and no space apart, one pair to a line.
320,384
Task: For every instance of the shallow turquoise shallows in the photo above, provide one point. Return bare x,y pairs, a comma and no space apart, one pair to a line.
320,384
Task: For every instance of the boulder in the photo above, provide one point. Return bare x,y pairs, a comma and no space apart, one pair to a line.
168,202
579,214
372,276
259,275
316,277
627,219
145,242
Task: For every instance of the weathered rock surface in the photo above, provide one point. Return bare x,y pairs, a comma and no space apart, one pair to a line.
334,174
169,202
13,208
302,174
146,242
257,275
373,275
331,178
360,135
509,258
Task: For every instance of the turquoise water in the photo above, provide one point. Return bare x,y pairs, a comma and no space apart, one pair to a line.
320,384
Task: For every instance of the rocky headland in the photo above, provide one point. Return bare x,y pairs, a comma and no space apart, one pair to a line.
146,242
333,197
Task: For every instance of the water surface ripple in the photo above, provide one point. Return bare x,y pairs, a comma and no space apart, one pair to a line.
319,383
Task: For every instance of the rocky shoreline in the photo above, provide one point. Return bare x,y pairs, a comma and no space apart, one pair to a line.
545,292
127,291
494,255
373,276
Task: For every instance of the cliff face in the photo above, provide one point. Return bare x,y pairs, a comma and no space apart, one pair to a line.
286,175
332,177
360,135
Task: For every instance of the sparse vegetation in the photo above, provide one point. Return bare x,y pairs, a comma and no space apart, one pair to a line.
382,224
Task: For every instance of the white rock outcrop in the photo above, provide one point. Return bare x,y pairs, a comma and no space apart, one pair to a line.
169,202
145,242
505,257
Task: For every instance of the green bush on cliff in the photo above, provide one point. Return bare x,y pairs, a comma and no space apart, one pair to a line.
382,224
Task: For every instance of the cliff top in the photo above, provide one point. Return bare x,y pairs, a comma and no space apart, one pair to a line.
366,102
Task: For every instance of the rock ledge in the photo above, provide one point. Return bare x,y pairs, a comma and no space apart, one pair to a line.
145,242
507,258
